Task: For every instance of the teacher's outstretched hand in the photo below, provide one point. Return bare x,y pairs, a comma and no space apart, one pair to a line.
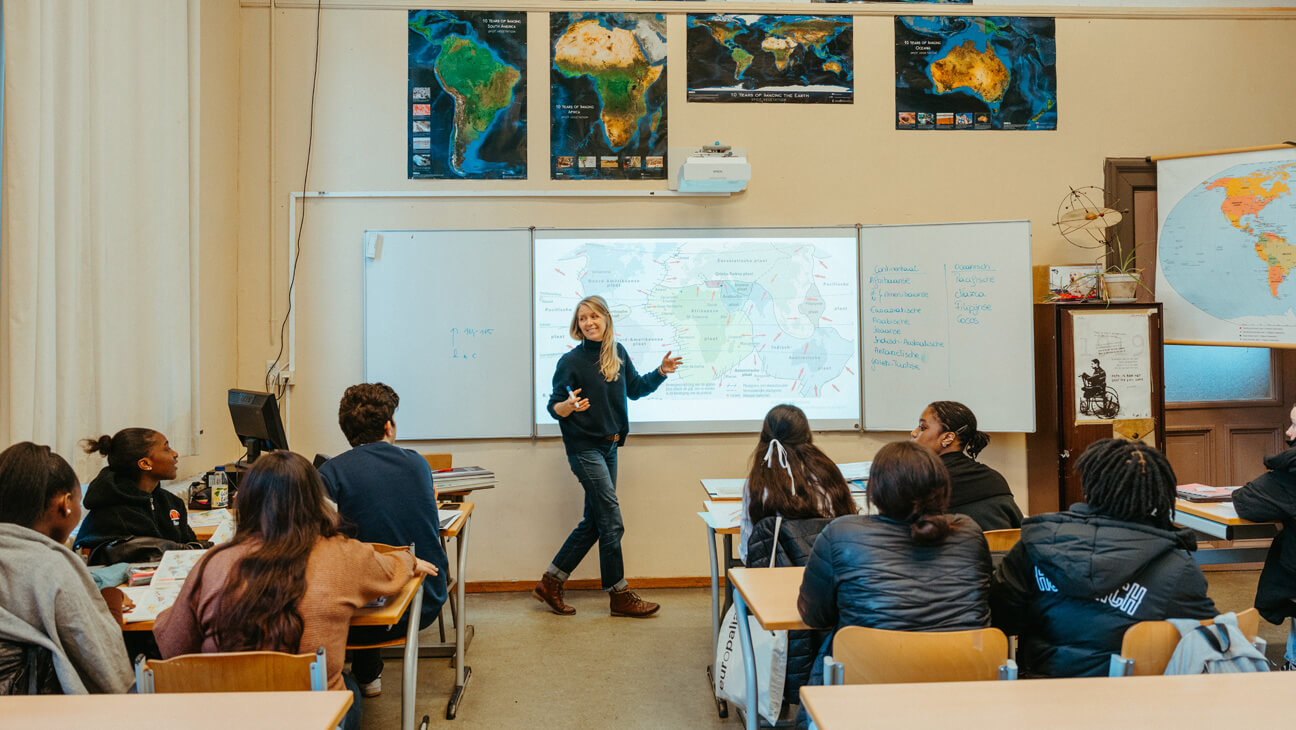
670,364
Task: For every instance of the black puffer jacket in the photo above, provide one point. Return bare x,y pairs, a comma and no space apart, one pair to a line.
1271,497
866,571
796,539
1078,579
116,508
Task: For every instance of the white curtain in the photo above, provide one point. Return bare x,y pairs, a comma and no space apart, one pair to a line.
97,319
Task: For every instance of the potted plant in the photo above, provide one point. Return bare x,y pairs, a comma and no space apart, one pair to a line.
1084,222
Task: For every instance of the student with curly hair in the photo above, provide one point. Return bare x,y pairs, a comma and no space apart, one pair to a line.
1079,578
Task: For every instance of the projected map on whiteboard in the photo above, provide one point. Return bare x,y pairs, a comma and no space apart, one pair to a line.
760,316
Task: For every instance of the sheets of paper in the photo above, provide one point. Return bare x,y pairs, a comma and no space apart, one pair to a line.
724,488
855,470
209,517
149,602
448,517
174,568
224,533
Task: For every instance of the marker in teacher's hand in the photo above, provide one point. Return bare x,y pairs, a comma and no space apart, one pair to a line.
570,394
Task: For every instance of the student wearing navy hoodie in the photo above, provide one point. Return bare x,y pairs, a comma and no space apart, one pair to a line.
590,387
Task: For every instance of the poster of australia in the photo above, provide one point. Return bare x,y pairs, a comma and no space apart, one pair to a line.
957,72
608,96
801,59
467,94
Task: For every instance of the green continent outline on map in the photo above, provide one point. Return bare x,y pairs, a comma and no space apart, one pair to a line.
781,41
482,87
614,61
1247,196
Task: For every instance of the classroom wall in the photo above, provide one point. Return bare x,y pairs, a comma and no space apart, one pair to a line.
1128,86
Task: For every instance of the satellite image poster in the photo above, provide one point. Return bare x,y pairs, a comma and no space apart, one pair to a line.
608,96
799,59
467,94
961,72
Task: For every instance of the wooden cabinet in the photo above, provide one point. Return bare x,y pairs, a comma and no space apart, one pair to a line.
1088,359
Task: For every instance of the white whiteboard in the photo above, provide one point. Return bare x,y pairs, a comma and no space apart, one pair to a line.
761,316
947,315
447,323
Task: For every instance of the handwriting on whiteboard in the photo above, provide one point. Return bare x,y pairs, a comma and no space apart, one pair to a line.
463,341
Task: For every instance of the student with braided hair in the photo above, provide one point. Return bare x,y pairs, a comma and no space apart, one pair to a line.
910,567
1078,579
949,428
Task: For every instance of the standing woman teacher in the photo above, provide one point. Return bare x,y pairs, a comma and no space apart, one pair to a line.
591,384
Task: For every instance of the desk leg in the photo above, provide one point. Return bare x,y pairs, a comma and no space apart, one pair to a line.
409,677
462,673
729,562
749,661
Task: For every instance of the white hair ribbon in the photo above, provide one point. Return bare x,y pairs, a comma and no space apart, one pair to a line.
782,459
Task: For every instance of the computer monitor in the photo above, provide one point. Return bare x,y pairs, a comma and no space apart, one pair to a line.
256,421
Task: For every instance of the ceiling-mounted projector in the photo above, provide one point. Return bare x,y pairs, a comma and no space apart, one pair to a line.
713,168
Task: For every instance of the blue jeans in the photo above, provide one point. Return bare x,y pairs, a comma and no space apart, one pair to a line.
597,470
1290,654
351,720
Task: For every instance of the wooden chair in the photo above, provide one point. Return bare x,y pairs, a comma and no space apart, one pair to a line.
438,461
1002,540
877,656
237,671
1148,645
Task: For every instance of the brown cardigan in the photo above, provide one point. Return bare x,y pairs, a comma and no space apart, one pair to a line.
341,576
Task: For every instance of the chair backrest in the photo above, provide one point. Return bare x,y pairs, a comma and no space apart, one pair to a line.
1150,644
877,656
237,671
438,461
1000,540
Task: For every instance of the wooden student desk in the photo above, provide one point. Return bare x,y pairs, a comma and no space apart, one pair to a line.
771,595
1220,521
191,711
1188,702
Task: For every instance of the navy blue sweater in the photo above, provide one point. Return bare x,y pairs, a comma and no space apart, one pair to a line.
386,493
579,368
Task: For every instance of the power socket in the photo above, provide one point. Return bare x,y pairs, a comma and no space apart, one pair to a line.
279,374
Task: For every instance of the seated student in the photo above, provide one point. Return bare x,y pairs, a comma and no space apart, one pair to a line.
386,492
1078,579
50,605
911,567
1271,497
124,500
288,580
950,429
791,478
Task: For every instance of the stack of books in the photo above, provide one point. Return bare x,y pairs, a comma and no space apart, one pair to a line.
462,478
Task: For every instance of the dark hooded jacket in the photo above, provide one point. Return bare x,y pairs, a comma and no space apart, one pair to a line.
1078,579
867,571
1271,497
981,493
795,541
116,508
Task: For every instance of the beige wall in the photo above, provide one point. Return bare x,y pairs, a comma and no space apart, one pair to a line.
1127,87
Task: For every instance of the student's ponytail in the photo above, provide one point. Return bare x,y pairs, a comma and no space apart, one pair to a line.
124,449
959,420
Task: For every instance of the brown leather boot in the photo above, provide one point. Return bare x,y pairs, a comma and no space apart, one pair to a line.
626,603
550,592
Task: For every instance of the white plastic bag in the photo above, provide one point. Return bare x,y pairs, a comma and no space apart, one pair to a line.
771,666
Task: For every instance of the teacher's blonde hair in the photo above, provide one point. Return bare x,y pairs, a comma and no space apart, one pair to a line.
609,362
